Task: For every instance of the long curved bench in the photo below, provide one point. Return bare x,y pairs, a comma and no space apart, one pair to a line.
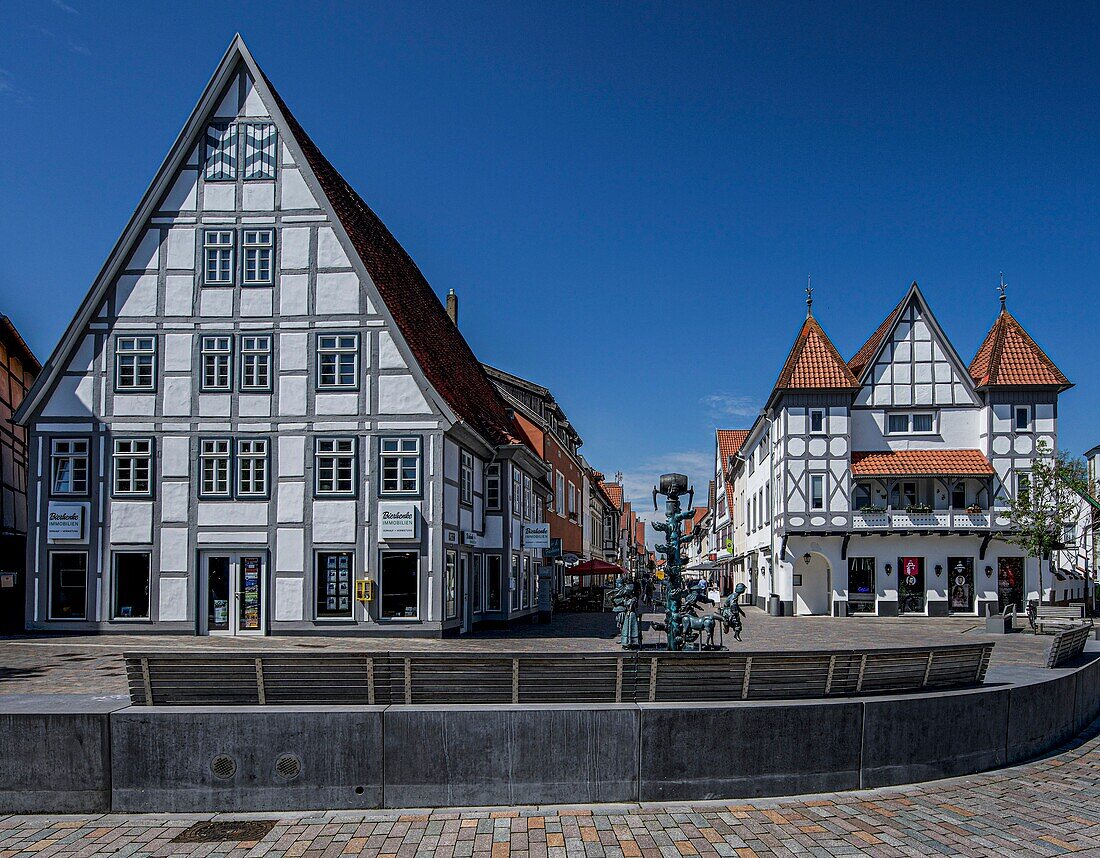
388,678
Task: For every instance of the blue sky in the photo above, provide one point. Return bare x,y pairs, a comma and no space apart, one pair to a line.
627,197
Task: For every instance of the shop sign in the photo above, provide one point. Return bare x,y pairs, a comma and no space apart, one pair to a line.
65,521
536,536
397,520
470,538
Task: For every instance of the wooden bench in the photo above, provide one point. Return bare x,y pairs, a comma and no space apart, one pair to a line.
1050,619
299,677
1068,643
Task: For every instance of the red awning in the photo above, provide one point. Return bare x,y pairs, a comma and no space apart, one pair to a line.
595,567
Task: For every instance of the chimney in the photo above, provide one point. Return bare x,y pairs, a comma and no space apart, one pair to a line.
452,306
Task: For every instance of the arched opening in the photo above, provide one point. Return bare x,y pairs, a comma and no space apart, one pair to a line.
812,585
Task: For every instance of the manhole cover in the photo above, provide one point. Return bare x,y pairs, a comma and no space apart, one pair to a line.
216,832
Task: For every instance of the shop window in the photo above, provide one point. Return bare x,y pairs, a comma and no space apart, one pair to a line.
861,584
256,363
338,361
493,582
217,356
69,466
399,583
450,585
334,466
133,460
400,466
131,585
513,583
217,248
135,364
335,576
477,585
68,585
525,582
259,150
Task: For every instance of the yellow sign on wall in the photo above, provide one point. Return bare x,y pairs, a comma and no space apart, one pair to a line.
363,590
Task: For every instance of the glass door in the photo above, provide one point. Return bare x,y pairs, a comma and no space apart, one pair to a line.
234,594
464,584
1010,583
911,585
960,591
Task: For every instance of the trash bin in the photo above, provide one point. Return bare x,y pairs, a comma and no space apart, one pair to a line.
775,607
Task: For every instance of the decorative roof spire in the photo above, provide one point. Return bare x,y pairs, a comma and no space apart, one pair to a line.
809,298
1002,288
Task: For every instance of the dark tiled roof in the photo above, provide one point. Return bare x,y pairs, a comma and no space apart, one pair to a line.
1010,358
915,463
441,351
814,363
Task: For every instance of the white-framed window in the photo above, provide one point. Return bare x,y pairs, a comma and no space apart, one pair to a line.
904,495
817,421
334,471
517,492
252,467
135,364
1023,485
259,150
1021,418
217,246
492,486
217,358
214,464
911,423
466,477
559,499
130,585
539,509
68,585
256,362
221,152
450,585
528,498
817,491
493,582
133,466
69,466
257,246
572,496
338,361
513,583
334,584
400,468
525,587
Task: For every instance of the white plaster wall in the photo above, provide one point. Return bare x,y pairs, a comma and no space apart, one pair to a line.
289,598
131,522
173,599
400,394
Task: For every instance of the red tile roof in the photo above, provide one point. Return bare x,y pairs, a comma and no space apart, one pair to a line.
729,442
915,463
869,349
639,533
814,363
1011,358
614,492
441,351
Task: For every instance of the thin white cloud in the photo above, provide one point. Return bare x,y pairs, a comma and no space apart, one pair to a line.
730,405
9,88
65,7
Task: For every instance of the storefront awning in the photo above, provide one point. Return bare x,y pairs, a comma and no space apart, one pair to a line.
921,463
595,567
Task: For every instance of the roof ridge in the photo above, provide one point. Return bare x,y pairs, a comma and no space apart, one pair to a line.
862,358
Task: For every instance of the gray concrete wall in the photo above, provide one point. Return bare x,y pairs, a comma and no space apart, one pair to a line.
516,754
73,753
56,754
161,757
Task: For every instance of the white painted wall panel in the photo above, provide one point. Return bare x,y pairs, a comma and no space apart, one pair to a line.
131,522
174,554
399,394
173,599
289,598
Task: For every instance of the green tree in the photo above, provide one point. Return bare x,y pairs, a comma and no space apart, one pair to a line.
1046,503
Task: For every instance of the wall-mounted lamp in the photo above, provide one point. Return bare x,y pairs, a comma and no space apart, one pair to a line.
939,570
988,571
889,568
806,558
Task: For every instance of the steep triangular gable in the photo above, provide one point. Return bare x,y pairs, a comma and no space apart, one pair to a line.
913,364
814,363
1009,357
441,364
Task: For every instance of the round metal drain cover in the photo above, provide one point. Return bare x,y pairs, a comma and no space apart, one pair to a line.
223,767
288,767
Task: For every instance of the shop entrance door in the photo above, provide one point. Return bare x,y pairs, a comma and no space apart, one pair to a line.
233,593
1010,583
464,591
960,589
911,585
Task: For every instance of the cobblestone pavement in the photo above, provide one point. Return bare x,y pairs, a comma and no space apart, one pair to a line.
1047,807
79,664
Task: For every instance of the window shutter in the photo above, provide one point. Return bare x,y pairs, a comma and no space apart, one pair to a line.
221,152
259,151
